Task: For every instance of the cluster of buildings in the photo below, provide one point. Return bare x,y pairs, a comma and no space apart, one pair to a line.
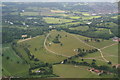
98,72
116,39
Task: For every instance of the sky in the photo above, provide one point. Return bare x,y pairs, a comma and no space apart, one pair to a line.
60,0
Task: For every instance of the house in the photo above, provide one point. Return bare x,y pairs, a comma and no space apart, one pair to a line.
37,71
98,72
89,22
116,39
24,36
50,27
116,66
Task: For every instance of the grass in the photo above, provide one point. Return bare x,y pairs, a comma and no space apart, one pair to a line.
102,43
111,53
75,17
90,17
30,14
41,52
86,14
51,20
99,60
69,43
81,28
14,68
70,71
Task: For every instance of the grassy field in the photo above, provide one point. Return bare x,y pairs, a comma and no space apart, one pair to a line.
111,53
41,53
51,20
81,28
69,43
102,43
14,68
90,17
75,17
30,14
89,58
70,71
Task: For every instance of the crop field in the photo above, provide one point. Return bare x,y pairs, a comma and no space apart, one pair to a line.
81,28
75,17
65,49
16,67
58,14
30,14
72,71
51,20
90,17
40,52
85,14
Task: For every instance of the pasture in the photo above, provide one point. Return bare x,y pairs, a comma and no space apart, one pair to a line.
29,14
68,41
51,20
37,49
17,66
72,71
81,28
111,53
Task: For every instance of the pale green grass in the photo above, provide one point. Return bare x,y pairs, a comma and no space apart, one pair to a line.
75,17
41,52
81,28
30,14
11,67
69,43
51,20
70,71
111,53
90,17
102,43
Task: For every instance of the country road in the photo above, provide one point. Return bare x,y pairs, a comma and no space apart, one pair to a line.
82,42
51,50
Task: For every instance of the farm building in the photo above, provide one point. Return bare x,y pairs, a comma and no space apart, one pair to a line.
24,36
98,72
116,66
116,39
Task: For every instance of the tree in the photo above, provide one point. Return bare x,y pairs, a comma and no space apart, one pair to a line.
7,57
82,59
109,62
61,44
94,60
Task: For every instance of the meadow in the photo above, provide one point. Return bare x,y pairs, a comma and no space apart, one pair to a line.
51,20
69,43
17,66
72,71
40,52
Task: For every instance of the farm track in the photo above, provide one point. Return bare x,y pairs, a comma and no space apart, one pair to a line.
93,47
82,42
51,50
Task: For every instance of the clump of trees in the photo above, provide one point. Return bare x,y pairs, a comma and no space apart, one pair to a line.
56,39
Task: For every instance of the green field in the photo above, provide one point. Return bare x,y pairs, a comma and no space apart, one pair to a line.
70,43
81,28
70,71
41,53
111,53
75,17
51,20
14,68
30,14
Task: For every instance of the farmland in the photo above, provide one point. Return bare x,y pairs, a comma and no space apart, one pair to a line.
59,40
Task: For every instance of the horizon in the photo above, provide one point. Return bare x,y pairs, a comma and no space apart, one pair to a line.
60,0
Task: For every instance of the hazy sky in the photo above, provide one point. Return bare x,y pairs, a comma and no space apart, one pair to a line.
59,0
